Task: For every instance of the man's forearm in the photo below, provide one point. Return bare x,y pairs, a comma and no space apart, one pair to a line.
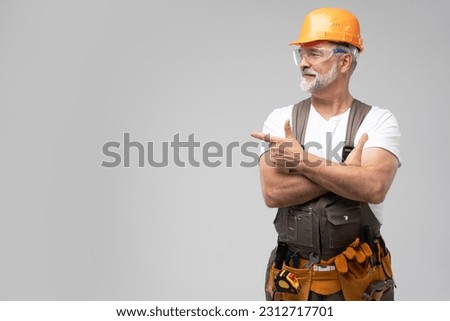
351,182
281,188
361,183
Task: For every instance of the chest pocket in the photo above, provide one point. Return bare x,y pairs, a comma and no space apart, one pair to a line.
299,227
344,225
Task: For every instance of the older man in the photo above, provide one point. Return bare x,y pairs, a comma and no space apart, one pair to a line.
328,192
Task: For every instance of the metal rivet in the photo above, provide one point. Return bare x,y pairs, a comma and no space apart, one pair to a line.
345,217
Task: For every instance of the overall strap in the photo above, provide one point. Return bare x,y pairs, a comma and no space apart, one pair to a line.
358,112
300,115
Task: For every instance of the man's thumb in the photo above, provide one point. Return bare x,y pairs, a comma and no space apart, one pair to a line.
362,141
287,129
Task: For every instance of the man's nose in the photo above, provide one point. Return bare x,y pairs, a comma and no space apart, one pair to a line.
304,64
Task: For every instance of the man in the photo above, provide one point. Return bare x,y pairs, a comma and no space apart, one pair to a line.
329,193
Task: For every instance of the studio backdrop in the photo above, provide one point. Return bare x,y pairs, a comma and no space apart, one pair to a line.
127,170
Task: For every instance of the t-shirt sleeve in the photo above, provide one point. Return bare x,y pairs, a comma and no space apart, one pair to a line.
384,133
274,124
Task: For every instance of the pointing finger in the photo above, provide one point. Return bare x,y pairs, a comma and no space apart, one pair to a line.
265,137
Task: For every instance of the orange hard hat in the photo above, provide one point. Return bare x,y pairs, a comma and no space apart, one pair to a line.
330,24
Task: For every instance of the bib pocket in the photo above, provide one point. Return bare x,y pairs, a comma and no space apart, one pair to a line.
344,225
299,227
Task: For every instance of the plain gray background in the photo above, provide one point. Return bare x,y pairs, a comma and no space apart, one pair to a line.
77,74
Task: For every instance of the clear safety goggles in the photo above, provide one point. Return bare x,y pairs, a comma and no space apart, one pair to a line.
315,55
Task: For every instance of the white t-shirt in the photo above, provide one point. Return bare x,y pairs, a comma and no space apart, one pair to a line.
326,138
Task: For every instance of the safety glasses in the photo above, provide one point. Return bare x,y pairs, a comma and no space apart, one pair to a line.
315,55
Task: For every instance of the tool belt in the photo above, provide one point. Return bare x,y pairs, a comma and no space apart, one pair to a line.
361,272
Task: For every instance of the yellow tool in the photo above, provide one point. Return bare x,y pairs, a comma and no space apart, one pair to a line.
286,281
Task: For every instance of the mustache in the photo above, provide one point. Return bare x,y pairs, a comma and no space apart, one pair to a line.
310,72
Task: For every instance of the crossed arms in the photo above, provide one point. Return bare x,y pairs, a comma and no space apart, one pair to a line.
291,176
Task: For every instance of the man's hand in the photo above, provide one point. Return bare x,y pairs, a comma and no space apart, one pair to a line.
354,158
284,152
280,186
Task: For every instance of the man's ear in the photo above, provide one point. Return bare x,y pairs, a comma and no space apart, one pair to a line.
345,62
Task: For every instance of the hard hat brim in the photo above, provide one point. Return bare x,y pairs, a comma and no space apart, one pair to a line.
301,43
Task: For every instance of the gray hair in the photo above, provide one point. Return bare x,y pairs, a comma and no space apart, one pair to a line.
352,50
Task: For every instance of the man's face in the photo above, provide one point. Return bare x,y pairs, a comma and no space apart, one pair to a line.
318,76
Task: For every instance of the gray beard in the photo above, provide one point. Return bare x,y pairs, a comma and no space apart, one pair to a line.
320,81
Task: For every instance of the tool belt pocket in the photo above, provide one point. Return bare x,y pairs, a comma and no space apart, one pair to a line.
385,258
354,284
361,275
303,277
270,285
344,225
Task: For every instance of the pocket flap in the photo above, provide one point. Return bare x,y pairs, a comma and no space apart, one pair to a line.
341,216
